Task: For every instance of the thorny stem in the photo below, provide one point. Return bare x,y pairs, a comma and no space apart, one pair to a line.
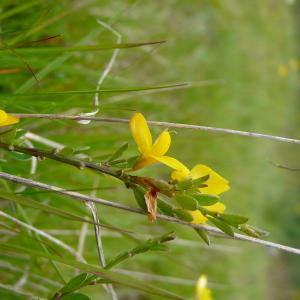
163,124
84,198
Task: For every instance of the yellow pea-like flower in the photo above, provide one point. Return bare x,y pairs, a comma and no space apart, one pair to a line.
199,218
202,291
6,119
282,70
216,185
150,152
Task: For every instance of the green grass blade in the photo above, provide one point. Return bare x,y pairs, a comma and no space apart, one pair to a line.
18,9
149,245
120,90
49,50
116,278
49,209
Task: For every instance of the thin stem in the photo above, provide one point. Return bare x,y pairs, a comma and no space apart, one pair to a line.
53,155
111,61
163,124
84,198
12,289
42,140
98,235
82,236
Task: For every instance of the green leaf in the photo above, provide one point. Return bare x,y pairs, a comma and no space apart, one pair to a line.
233,219
139,195
76,296
205,200
199,181
204,236
65,151
165,208
184,184
8,136
20,132
159,247
252,231
88,92
125,280
74,284
118,153
161,185
221,225
42,206
46,50
155,244
49,209
189,183
261,232
131,161
183,215
186,201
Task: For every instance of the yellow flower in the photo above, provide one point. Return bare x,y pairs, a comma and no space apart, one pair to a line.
6,119
199,218
150,152
282,70
202,291
216,185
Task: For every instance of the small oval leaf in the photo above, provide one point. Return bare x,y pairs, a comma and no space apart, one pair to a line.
74,283
118,153
198,182
221,225
233,219
65,151
204,236
184,184
186,201
75,296
183,215
139,195
165,208
205,199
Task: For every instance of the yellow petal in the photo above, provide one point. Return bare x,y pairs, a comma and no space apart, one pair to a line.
198,217
179,176
203,293
144,162
140,132
202,170
172,163
218,207
10,120
216,183
215,189
3,116
162,144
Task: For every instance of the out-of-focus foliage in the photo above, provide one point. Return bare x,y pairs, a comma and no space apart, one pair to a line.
241,58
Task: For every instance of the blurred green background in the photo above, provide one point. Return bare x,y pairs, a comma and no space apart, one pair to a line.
241,58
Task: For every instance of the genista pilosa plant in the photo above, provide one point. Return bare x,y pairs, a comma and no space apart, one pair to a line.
192,195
